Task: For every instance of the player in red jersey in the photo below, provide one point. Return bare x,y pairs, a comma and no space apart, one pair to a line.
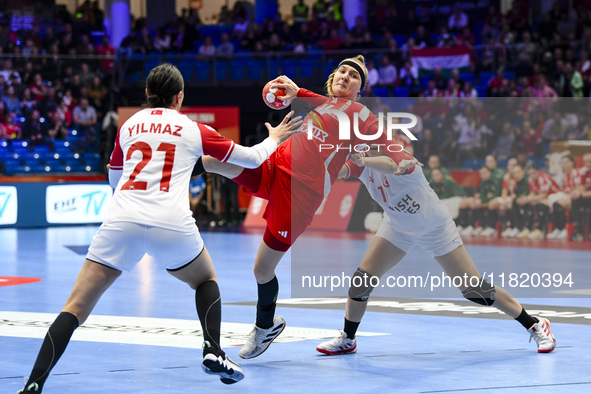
561,202
542,188
296,179
150,167
581,198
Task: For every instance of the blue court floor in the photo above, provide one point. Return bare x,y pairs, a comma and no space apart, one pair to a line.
144,334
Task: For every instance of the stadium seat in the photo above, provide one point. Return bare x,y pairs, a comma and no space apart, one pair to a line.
381,91
510,75
467,77
401,91
502,163
221,70
306,68
424,80
202,69
481,89
186,69
236,70
254,69
485,76
400,39
290,67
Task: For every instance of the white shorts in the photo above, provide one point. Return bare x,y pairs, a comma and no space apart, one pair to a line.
453,204
121,245
440,241
552,198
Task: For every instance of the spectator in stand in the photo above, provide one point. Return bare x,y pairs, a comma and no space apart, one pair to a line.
466,38
439,78
38,88
444,39
49,103
496,83
409,75
334,42
423,38
388,20
28,104
162,42
526,54
388,72
373,76
241,26
207,49
546,29
3,112
13,104
394,53
426,147
555,129
571,82
62,112
504,146
455,75
226,48
28,74
565,25
106,49
407,48
320,10
453,90
57,130
3,86
11,129
275,45
86,76
458,20
358,31
300,12
85,121
97,93
431,90
8,73
469,90
35,128
531,140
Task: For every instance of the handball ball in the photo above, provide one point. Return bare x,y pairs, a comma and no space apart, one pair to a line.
273,97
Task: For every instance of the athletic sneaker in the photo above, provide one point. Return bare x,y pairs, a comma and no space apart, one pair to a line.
467,231
576,237
540,332
478,231
536,234
563,234
260,338
338,345
489,232
523,233
506,232
553,234
31,388
221,365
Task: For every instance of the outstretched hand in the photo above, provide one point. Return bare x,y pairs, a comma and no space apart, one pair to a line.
406,165
286,128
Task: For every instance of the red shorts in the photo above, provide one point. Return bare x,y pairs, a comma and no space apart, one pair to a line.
291,206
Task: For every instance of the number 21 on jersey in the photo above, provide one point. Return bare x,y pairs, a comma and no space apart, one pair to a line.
146,150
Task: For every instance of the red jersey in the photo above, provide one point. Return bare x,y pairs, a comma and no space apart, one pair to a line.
586,180
509,184
544,184
572,180
316,162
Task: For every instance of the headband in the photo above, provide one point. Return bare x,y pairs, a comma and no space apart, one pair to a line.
357,67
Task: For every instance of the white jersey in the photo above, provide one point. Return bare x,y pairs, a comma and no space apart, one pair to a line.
156,150
410,204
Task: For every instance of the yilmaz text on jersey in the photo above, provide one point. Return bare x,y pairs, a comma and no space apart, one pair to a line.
155,128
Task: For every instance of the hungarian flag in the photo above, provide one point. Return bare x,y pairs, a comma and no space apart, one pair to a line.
427,59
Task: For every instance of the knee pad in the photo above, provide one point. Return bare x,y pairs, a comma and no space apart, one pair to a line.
484,294
361,287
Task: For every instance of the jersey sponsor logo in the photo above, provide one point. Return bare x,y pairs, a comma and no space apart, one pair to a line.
283,233
406,205
316,132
